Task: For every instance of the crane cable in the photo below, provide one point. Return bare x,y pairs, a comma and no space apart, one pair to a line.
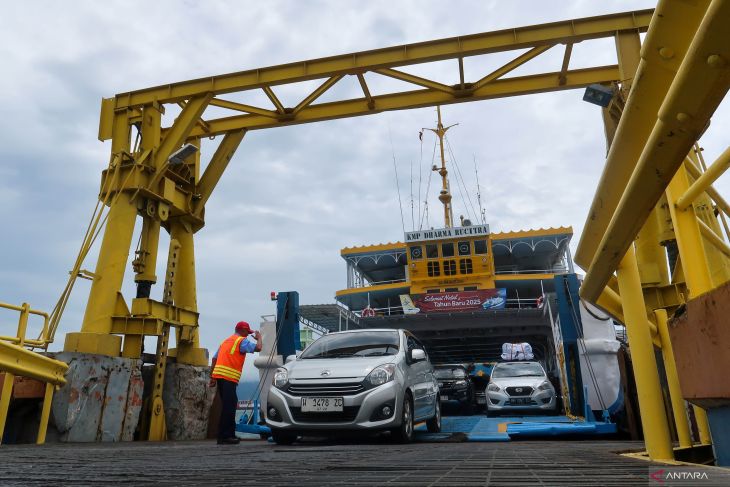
93,229
428,187
395,170
460,176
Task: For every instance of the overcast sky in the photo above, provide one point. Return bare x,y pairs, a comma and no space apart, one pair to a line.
292,197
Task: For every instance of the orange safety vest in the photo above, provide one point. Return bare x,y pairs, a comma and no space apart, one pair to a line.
229,363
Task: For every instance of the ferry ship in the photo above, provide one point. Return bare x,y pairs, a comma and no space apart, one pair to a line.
462,289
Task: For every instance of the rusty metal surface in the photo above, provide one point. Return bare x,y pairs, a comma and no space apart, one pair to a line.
368,462
701,342
101,399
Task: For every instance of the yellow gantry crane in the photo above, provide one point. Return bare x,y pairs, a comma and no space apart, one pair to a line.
654,191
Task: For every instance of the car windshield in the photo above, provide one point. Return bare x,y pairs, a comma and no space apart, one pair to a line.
526,369
357,344
449,373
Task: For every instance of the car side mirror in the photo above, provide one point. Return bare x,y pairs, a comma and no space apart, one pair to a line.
418,354
290,358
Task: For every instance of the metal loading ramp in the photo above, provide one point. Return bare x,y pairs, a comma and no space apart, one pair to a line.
481,428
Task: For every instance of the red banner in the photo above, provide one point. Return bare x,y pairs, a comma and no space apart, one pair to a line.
482,299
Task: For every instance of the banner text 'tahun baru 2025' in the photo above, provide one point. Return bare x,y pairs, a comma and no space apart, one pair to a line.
482,299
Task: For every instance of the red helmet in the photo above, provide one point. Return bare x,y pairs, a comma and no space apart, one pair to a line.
243,328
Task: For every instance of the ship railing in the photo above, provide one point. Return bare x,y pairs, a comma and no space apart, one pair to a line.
364,283
17,360
560,269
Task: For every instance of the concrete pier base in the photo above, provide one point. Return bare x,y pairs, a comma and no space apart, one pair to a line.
187,398
102,398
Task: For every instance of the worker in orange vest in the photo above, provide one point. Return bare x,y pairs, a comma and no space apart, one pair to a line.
226,372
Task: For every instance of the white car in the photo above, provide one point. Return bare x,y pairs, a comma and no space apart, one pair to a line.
518,387
358,380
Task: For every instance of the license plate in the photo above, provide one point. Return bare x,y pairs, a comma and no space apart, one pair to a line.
481,400
518,402
322,404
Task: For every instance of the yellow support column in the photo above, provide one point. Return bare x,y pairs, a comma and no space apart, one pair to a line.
45,413
95,335
188,349
675,391
653,416
5,394
694,262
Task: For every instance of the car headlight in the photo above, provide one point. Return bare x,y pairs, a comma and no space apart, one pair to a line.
460,383
381,374
545,386
281,378
493,387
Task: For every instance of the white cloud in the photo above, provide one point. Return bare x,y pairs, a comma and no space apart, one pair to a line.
292,197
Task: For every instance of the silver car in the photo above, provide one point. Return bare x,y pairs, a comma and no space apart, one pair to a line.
365,380
519,386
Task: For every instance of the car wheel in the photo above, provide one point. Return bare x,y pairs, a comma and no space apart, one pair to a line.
404,433
434,424
283,437
490,413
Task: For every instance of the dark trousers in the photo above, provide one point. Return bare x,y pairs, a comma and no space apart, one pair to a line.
229,399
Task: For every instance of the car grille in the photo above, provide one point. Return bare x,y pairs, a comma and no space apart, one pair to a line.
348,415
340,389
524,391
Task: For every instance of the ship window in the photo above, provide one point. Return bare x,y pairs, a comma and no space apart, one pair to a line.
470,288
451,289
447,250
432,251
449,267
433,269
416,252
480,247
464,248
432,291
465,266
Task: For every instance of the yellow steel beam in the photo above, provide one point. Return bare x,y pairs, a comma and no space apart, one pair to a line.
675,391
321,89
711,191
665,45
472,45
415,99
698,88
240,107
416,80
274,99
516,63
20,361
176,135
366,90
705,180
566,61
217,165
653,416
713,238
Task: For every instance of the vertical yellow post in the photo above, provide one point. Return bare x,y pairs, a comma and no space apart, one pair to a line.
95,332
45,413
184,293
694,262
7,391
675,391
653,416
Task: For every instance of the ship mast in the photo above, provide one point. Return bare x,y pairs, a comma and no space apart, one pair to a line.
444,195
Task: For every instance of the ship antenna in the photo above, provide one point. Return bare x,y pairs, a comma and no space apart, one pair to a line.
395,170
444,195
479,191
